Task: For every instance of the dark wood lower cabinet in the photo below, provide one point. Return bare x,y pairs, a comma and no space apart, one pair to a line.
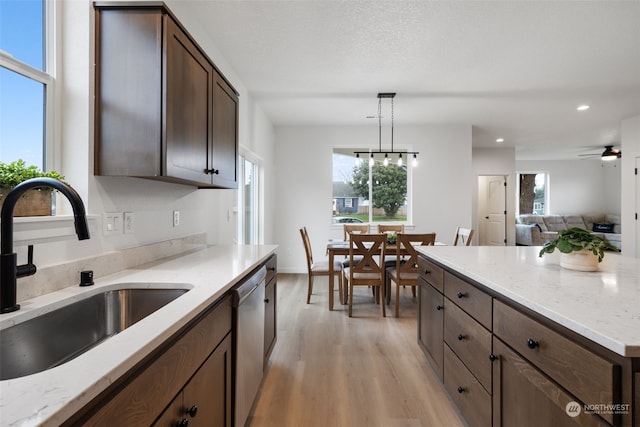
523,396
206,399
430,325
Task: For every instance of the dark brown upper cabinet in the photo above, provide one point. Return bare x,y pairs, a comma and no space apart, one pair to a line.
163,111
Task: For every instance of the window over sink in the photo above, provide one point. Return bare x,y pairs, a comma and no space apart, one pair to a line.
26,79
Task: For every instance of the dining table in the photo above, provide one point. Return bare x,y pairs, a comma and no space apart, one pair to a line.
341,248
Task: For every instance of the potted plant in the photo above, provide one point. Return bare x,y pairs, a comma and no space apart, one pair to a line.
35,202
581,249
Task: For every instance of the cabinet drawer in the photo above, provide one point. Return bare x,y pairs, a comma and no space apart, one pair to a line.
467,393
589,377
272,268
470,341
469,298
431,273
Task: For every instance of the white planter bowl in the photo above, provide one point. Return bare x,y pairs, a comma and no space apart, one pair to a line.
581,261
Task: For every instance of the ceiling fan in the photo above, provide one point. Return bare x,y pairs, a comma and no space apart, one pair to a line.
608,154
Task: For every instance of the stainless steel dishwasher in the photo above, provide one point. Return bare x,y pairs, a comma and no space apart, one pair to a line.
248,303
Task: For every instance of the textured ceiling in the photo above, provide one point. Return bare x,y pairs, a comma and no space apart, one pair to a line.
512,69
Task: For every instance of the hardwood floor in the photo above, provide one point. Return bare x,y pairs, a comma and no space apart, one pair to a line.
331,370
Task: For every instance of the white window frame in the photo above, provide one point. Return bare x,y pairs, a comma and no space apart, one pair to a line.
258,198
50,150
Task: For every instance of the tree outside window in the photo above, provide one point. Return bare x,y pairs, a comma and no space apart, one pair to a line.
532,194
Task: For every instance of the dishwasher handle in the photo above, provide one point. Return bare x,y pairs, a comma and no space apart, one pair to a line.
242,291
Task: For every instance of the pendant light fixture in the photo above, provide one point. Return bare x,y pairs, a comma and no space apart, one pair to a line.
387,154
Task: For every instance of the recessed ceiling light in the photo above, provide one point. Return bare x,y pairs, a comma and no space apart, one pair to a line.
500,140
582,107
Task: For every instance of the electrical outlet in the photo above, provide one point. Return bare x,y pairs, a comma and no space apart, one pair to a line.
128,223
176,218
111,223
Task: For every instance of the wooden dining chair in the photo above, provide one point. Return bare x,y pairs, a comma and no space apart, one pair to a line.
365,252
464,236
355,228
319,268
391,228
405,272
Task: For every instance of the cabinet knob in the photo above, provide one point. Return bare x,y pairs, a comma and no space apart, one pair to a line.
461,337
212,171
266,300
493,357
271,269
193,411
182,423
532,344
460,389
439,307
460,295
427,272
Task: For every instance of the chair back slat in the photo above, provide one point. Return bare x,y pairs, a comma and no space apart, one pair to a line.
307,247
365,251
464,236
355,229
406,254
391,228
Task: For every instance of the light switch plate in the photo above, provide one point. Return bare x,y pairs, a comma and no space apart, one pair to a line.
111,223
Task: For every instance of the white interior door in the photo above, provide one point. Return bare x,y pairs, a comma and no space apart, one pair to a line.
494,221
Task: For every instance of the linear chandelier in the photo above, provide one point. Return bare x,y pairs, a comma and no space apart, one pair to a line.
386,95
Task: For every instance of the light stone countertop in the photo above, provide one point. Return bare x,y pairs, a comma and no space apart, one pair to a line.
48,398
603,306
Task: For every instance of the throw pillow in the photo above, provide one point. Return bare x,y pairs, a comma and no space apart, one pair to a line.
603,228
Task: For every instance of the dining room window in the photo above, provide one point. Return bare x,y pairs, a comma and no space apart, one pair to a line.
26,81
368,191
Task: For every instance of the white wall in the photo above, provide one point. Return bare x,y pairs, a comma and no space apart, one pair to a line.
630,186
202,211
579,186
442,190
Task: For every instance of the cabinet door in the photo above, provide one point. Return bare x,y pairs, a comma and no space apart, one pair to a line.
128,116
210,390
187,107
522,396
430,325
224,150
269,318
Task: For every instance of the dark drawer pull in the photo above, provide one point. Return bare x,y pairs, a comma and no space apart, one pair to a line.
532,344
193,411
266,300
493,357
461,389
461,295
439,307
461,337
271,269
183,423
427,272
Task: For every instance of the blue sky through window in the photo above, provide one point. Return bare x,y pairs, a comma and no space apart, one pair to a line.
22,100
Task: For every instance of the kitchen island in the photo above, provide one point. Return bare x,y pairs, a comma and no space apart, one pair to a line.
51,397
516,337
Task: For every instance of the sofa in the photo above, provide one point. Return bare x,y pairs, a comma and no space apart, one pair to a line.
536,230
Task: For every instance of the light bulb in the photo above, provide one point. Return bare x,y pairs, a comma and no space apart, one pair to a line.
400,160
386,159
414,162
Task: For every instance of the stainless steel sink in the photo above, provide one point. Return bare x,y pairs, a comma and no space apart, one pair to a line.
54,338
